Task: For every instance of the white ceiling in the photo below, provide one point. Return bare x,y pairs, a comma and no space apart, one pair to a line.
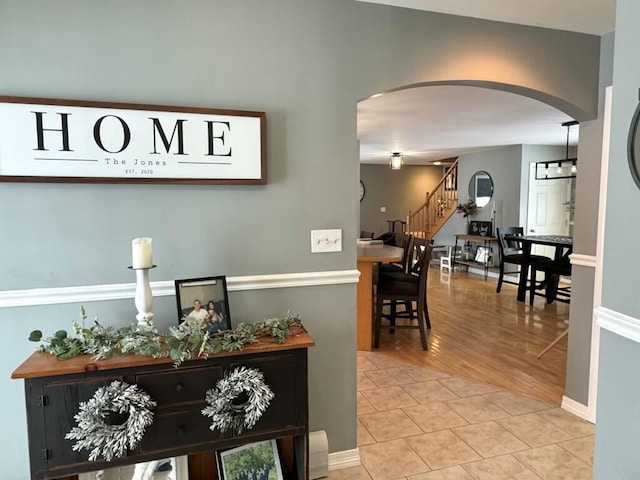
439,122
586,16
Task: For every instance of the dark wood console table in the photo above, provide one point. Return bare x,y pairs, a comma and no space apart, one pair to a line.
54,388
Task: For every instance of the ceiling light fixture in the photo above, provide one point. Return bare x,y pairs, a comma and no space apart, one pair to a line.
566,168
396,161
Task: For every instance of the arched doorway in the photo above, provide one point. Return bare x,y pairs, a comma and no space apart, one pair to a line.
494,118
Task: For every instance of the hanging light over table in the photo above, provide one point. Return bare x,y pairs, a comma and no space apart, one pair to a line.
566,168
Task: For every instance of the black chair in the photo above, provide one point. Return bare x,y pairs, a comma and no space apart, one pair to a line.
404,241
511,253
399,271
399,224
388,238
408,288
553,270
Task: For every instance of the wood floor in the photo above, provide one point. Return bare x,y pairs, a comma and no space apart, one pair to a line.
488,337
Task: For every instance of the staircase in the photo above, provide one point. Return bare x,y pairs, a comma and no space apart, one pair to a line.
437,208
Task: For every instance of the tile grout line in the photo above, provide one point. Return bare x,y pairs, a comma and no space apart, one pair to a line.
508,414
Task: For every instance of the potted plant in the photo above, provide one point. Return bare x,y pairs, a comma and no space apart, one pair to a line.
467,209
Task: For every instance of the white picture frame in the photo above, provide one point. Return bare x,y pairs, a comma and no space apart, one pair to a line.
482,254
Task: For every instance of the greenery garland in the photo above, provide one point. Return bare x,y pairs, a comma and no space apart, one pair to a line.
109,441
183,342
222,407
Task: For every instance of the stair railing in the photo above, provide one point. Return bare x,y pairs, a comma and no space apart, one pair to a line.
439,205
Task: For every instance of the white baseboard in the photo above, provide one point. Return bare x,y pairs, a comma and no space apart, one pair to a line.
578,409
344,459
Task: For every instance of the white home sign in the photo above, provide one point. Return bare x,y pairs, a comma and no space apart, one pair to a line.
45,140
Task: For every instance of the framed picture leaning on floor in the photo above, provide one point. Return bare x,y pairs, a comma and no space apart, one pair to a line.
482,254
254,461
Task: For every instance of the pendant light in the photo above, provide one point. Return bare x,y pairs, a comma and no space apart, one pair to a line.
565,168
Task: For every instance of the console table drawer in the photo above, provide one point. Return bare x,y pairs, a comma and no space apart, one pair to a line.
186,428
286,377
184,385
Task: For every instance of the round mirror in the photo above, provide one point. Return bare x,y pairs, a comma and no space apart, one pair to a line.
481,188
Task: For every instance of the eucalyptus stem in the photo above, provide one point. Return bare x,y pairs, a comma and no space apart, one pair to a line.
183,342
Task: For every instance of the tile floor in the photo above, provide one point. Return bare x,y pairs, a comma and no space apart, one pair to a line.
419,424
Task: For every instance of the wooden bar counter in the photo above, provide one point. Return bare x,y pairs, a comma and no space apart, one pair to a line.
367,257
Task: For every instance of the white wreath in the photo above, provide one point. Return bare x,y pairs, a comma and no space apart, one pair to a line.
225,413
108,441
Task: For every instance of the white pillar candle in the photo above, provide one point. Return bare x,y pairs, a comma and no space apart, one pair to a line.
141,253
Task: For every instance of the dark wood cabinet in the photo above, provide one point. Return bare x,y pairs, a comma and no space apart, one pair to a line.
54,390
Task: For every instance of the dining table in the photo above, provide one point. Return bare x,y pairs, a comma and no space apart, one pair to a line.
560,242
368,257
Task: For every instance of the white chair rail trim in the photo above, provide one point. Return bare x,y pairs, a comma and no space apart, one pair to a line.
618,323
583,260
164,288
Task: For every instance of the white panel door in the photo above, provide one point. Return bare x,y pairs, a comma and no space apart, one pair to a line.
547,214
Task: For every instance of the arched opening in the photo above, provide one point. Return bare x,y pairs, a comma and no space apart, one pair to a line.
495,128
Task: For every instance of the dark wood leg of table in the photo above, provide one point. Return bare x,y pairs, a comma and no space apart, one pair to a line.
524,272
551,287
453,256
487,244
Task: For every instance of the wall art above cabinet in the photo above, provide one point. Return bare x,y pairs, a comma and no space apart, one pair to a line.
49,140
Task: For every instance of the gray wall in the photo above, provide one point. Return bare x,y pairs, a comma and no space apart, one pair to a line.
503,164
616,453
306,63
585,234
579,340
397,190
618,415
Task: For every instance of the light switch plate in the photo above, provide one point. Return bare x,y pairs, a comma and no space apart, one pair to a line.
383,209
326,241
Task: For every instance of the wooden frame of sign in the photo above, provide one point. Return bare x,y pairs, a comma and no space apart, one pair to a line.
75,141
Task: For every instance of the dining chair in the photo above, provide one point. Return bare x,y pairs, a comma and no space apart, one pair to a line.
407,288
511,253
553,269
